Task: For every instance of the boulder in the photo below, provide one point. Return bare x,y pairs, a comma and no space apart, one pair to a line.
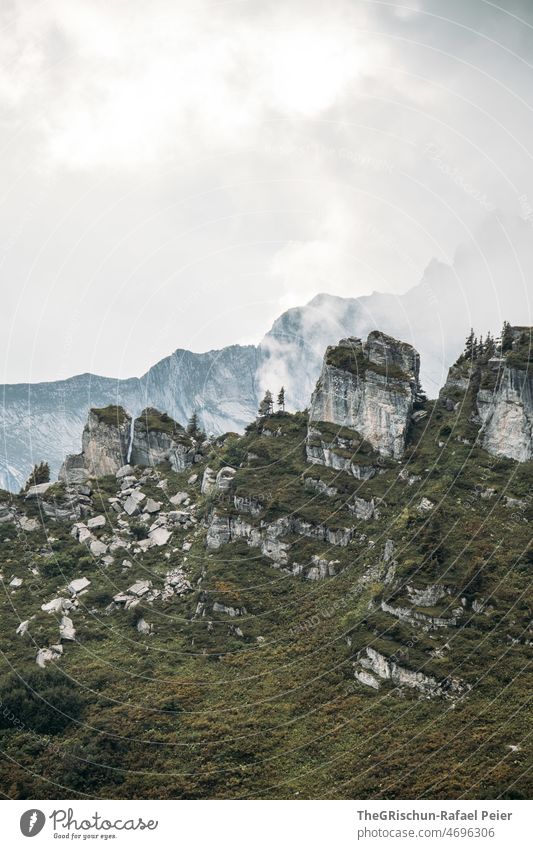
133,502
96,522
124,471
38,489
28,524
66,629
159,536
78,585
54,606
224,478
179,498
152,506
97,548
143,627
208,481
45,656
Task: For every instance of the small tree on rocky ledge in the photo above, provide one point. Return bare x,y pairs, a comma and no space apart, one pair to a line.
40,474
194,429
469,345
281,398
266,406
506,338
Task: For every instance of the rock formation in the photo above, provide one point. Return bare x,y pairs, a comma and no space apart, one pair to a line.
369,388
496,392
105,443
157,438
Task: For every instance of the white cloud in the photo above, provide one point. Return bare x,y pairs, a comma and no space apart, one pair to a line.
125,84
214,163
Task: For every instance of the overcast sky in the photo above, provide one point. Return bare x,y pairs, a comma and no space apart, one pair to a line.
176,174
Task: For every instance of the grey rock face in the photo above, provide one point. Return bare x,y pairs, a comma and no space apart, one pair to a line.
369,388
507,415
105,441
383,668
500,398
208,481
104,446
157,438
47,419
73,470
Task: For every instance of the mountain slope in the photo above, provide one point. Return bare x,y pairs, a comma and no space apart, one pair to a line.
486,283
294,616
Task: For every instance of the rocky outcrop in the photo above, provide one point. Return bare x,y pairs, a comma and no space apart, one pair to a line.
157,439
506,415
269,537
370,388
376,667
496,393
104,446
336,452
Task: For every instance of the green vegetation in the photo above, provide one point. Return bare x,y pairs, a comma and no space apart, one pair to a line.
40,474
152,420
112,415
353,360
265,704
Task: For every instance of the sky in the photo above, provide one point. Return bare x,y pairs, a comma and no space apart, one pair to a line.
175,175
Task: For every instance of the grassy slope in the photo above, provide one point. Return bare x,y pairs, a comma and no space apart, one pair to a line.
197,712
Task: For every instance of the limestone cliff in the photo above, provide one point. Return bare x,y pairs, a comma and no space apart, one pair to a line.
105,443
370,388
495,391
157,438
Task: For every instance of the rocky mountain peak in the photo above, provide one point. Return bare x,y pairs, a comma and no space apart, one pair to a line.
489,391
105,444
158,438
369,388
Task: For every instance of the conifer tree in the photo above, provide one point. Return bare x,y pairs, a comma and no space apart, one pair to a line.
281,398
469,344
506,337
194,430
40,474
267,404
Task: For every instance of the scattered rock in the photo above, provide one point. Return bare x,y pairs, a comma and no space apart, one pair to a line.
97,548
96,522
45,656
152,506
208,481
66,629
224,478
159,536
179,498
38,489
78,585
28,524
229,611
124,471
133,502
140,588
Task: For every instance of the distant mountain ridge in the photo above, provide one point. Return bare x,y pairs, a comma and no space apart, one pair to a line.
480,289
